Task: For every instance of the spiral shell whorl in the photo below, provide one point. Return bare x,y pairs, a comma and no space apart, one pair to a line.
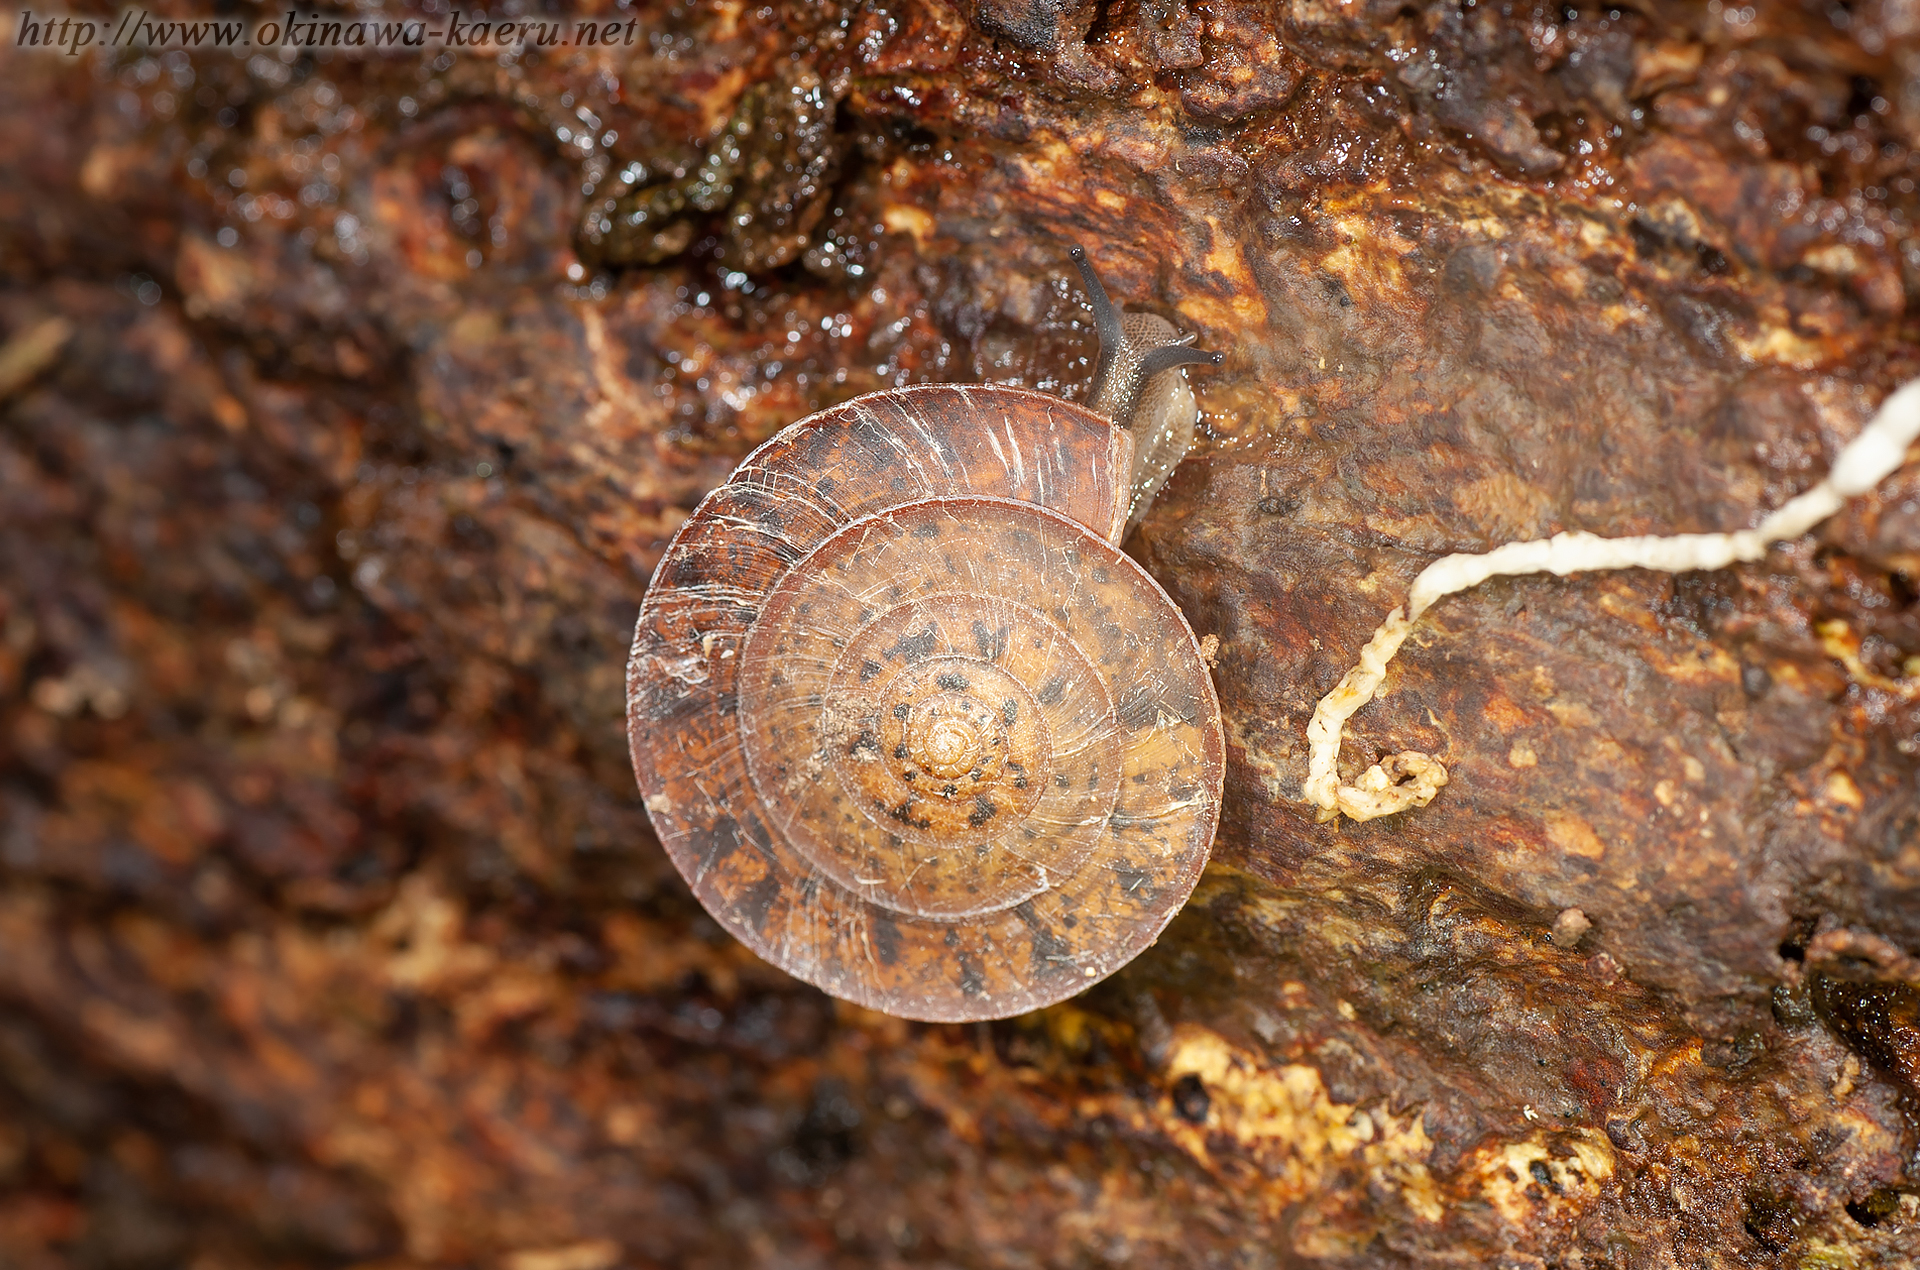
913,734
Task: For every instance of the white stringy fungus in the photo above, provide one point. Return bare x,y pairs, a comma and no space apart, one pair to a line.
1412,779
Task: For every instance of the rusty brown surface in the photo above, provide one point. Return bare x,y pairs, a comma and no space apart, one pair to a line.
332,928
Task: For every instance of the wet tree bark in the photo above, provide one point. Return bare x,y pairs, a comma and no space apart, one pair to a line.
348,404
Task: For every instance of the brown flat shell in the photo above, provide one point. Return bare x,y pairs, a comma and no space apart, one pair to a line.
909,727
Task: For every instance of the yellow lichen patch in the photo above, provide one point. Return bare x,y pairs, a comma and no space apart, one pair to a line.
1837,259
1701,666
595,1255
1369,261
1779,346
1658,66
1571,280
1339,934
1620,316
1627,605
1840,790
1572,714
1574,835
905,218
1225,258
1242,310
1504,713
1841,644
1545,1174
1283,1120
425,930
1595,236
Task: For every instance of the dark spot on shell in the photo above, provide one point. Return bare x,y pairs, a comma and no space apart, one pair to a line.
1050,952
1052,692
990,644
904,814
1136,882
914,647
1137,707
665,704
868,669
686,569
756,902
973,981
983,811
952,681
886,937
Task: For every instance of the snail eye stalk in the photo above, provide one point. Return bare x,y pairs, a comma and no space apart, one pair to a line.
1167,356
1106,318
1135,348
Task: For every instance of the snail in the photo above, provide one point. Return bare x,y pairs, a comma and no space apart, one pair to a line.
909,722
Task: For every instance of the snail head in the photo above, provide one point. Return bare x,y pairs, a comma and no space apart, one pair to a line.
1135,349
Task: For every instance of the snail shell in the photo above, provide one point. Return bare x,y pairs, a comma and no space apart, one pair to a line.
909,722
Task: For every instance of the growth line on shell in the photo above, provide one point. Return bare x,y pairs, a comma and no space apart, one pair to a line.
1411,779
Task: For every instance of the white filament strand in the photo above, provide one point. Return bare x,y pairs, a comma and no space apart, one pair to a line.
1862,464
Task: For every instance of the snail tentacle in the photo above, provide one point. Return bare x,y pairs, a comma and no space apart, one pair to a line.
1138,385
1167,356
1106,319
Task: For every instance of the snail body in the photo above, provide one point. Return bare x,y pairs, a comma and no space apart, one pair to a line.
909,722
